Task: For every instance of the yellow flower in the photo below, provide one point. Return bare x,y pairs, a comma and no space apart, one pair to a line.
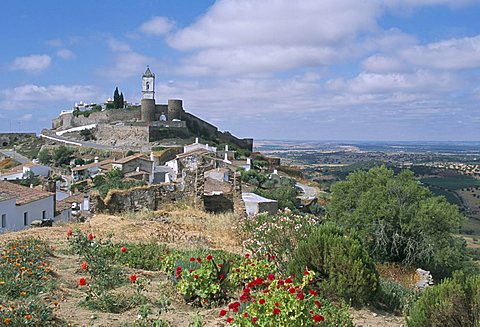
23,293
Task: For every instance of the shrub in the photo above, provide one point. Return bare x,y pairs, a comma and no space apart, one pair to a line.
277,235
399,220
276,302
140,256
343,267
454,302
394,297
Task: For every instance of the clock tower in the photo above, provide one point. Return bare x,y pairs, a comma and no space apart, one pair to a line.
148,96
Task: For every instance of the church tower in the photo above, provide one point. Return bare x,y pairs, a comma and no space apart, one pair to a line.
148,97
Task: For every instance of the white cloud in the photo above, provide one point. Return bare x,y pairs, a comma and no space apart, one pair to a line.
118,46
65,54
26,117
157,26
31,95
127,64
32,64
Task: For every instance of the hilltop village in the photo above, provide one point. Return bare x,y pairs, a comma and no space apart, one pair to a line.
117,157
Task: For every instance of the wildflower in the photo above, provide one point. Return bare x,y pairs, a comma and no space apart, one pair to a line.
28,317
291,290
23,293
209,257
195,276
55,303
199,260
245,314
300,295
69,233
261,301
229,320
82,282
318,304
247,255
192,259
223,312
276,311
84,266
318,318
133,278
222,276
271,277
277,304
90,237
313,292
123,249
254,320
6,321
288,281
306,273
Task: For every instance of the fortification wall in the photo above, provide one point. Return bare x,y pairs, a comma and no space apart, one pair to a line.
69,120
226,137
199,126
122,135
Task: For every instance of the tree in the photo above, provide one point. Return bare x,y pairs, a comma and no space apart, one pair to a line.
62,156
121,101
44,157
399,220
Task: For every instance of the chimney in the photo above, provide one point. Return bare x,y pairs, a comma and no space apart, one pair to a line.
196,140
226,147
249,161
95,160
152,158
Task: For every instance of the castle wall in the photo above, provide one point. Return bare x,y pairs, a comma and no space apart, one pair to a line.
226,137
122,135
69,120
199,126
175,109
148,110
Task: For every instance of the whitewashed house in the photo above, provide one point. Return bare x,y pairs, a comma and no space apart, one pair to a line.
20,205
22,171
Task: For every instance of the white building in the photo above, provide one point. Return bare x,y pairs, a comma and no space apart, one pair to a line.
198,146
20,205
22,171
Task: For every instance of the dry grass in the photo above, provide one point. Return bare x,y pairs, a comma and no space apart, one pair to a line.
398,273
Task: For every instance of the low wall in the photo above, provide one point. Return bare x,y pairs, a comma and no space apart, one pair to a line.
122,135
111,115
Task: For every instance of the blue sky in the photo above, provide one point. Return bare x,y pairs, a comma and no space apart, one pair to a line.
271,69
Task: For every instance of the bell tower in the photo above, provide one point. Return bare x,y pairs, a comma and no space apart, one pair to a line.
148,96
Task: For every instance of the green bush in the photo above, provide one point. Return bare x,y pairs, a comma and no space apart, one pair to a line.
343,267
394,297
454,302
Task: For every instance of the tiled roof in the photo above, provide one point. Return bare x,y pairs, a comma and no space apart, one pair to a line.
132,157
5,196
22,194
213,186
92,165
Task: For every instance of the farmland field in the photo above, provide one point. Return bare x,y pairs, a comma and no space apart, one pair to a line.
451,183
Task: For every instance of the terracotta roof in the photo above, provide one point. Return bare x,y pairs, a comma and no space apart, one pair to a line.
198,152
92,165
14,170
213,186
23,194
132,157
5,196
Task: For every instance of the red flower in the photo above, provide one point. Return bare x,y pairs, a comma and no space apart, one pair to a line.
222,276
90,237
123,249
292,290
28,317
247,255
133,278
199,260
237,270
306,273
82,282
276,311
265,291
245,314
261,301
254,320
229,320
195,276
271,277
288,281
318,318
192,259
277,304
313,292
223,312
280,282
300,295
69,233
318,304
84,266
209,257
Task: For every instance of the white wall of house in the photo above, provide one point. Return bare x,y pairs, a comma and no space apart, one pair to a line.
65,215
11,177
37,170
34,210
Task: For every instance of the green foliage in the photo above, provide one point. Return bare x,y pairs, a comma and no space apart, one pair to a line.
141,256
277,236
254,177
285,193
394,297
44,157
87,134
399,220
30,179
276,302
62,156
343,267
454,302
113,180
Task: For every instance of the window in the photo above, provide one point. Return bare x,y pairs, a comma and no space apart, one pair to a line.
25,218
4,220
44,214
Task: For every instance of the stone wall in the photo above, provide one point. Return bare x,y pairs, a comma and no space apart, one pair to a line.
141,198
238,204
122,135
218,203
69,120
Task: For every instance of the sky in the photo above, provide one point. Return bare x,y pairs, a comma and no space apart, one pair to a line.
391,70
